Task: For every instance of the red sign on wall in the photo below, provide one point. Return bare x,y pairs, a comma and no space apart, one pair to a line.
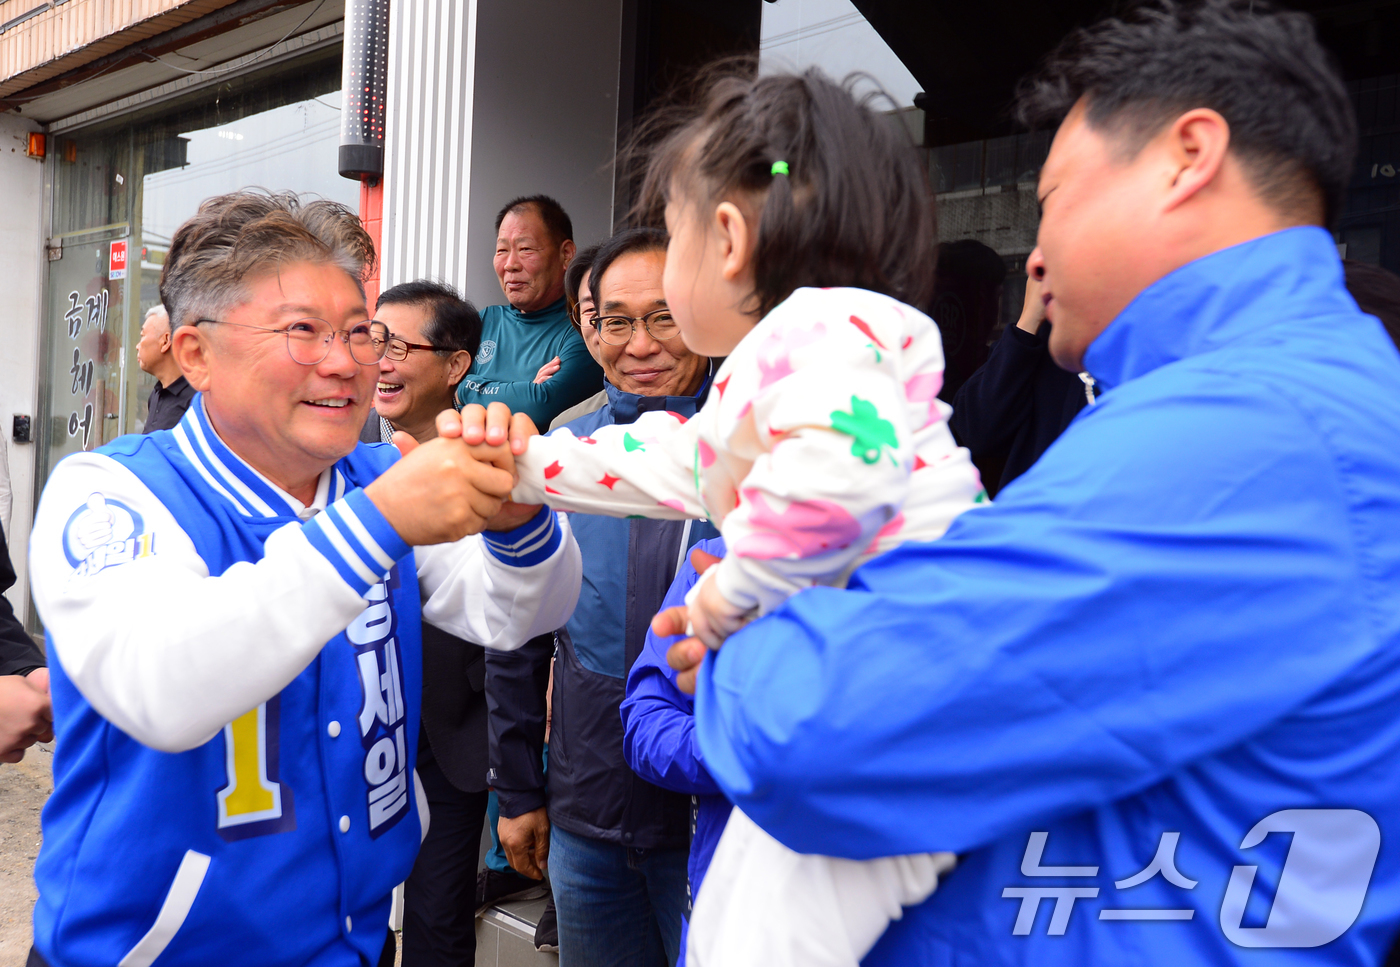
116,268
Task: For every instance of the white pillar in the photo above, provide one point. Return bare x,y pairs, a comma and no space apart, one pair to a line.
488,100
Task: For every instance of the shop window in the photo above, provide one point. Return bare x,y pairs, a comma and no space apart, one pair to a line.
122,188
1363,243
1014,159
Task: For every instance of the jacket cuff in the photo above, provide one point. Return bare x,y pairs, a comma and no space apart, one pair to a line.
529,544
518,802
356,538
1030,340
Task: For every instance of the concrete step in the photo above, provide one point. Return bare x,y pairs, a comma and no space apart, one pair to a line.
505,936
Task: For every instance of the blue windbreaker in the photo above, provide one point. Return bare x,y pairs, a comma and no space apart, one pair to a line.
1181,624
658,736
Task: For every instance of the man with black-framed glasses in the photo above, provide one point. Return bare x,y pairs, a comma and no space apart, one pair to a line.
434,335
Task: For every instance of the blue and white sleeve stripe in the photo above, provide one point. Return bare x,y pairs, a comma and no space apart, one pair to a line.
354,536
529,544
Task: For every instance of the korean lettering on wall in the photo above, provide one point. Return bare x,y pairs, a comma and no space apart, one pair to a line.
84,316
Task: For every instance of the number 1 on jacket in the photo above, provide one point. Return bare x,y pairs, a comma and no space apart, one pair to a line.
252,802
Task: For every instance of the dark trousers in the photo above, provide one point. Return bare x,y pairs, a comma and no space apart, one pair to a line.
439,916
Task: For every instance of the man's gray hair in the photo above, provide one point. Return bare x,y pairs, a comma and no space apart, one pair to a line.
233,237
158,307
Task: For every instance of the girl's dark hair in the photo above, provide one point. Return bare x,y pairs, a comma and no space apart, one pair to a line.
854,208
625,242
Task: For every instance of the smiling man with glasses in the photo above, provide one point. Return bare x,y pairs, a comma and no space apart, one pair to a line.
234,610
435,336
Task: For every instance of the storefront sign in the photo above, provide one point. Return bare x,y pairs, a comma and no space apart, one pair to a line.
116,268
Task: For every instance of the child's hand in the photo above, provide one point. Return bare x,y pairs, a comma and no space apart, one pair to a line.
713,617
485,433
685,655
491,425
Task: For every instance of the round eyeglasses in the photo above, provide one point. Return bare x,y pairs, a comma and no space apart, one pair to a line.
581,317
618,330
309,340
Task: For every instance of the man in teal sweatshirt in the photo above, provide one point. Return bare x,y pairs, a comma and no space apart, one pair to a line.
531,358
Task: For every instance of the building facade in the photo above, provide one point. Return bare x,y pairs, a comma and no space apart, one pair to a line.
146,107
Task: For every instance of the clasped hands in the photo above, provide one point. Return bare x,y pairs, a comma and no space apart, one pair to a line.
459,483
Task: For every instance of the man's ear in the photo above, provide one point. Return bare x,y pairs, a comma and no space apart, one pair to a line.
191,350
735,240
165,342
1197,144
567,251
457,365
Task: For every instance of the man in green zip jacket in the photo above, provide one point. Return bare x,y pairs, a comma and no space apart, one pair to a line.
531,358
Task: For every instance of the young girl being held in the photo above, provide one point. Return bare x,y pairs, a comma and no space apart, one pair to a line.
801,238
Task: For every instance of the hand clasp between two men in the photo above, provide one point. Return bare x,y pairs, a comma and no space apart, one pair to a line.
458,483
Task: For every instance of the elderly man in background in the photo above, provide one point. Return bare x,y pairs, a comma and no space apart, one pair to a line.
614,844
172,393
531,358
434,334
234,611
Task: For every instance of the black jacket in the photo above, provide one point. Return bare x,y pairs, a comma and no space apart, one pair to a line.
454,707
454,678
167,405
18,653
1015,405
628,566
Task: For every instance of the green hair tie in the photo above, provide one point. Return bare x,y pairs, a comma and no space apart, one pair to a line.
779,168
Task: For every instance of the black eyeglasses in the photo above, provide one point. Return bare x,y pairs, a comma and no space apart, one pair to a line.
618,330
399,348
309,340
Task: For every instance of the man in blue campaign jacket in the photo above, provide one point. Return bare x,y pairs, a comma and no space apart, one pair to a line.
616,844
658,734
1180,630
233,611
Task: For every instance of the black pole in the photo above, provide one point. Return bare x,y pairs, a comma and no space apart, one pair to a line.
364,82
